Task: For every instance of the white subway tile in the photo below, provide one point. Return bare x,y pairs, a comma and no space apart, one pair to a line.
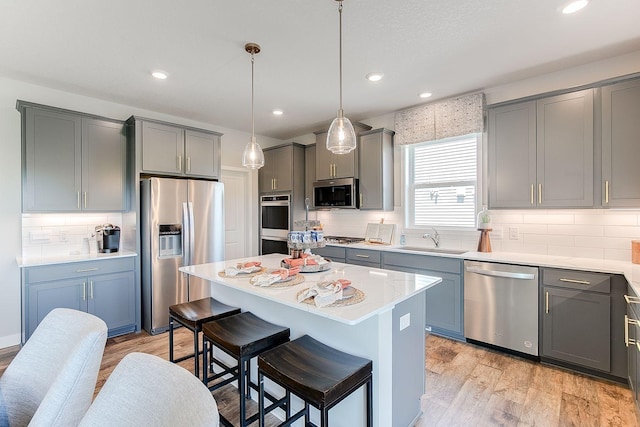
532,228
548,218
630,232
535,248
548,239
576,230
617,254
502,217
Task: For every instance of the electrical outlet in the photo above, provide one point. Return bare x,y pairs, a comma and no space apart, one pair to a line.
405,321
513,233
63,236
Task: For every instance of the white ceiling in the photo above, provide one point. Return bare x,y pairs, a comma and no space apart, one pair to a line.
107,49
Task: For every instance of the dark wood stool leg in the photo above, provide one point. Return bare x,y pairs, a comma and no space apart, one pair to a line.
205,362
324,417
370,402
241,389
196,354
261,400
170,339
247,382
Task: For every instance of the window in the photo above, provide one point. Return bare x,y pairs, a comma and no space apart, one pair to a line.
441,182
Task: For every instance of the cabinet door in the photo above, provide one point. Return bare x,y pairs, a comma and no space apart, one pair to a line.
202,154
162,148
345,165
52,179
104,151
375,154
309,172
265,173
283,170
620,147
633,353
44,297
111,297
512,155
576,327
324,158
565,150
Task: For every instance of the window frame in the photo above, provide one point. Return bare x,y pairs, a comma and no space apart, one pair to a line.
408,185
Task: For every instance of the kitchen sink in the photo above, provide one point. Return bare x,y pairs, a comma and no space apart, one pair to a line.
434,250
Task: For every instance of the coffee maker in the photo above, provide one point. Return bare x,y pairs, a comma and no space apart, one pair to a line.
108,238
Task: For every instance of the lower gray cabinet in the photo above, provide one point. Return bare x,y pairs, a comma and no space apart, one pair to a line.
105,288
581,320
332,253
364,257
444,301
633,347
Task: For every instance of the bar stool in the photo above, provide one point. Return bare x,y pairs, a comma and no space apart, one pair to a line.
192,315
242,336
318,374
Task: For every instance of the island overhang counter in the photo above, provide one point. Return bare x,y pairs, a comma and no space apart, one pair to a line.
387,326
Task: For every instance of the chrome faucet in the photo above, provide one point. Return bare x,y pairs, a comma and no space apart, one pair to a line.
435,237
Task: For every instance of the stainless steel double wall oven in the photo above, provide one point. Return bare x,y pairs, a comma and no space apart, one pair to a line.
275,223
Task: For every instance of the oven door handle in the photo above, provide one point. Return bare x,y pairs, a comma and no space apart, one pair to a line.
505,274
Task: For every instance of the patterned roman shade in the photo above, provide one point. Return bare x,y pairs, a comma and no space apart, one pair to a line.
445,119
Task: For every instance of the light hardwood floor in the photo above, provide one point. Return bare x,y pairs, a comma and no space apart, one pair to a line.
466,385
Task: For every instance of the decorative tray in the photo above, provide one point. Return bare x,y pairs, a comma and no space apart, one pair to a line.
311,268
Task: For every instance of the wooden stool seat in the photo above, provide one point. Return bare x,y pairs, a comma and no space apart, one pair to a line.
242,336
318,374
192,315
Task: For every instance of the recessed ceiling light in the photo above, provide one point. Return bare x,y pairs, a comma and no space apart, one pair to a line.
574,6
278,112
160,75
425,94
375,77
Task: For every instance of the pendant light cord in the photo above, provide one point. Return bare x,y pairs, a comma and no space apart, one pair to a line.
340,113
253,128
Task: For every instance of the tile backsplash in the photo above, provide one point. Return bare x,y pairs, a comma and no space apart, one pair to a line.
585,233
57,234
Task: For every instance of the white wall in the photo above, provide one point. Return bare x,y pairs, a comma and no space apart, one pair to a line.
233,143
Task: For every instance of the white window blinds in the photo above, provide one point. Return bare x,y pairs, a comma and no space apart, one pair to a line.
442,182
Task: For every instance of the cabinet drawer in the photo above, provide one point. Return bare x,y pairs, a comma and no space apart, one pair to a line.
331,252
423,262
581,280
78,269
366,255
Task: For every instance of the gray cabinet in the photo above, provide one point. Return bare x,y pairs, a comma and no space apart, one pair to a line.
541,153
632,329
376,172
444,301
71,162
332,166
168,149
105,288
309,172
620,147
283,169
333,253
581,322
364,257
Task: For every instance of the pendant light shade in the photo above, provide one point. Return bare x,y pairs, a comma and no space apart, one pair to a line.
252,157
341,138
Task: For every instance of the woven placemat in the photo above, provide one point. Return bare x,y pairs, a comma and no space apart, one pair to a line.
242,275
297,279
357,297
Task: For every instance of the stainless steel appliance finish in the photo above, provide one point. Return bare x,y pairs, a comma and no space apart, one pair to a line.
336,193
501,305
275,223
182,224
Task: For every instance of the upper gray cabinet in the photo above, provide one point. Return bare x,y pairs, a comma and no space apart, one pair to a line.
332,166
71,162
309,171
283,169
541,153
621,144
376,171
174,150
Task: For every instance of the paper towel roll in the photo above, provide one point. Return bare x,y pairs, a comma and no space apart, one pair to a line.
635,251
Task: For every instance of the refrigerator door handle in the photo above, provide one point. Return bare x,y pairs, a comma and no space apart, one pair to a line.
186,235
192,236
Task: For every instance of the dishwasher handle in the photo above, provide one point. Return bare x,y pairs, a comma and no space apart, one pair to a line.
497,273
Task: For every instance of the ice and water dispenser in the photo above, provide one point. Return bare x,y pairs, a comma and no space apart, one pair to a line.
170,236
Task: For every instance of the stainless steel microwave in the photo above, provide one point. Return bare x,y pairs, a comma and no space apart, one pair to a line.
336,194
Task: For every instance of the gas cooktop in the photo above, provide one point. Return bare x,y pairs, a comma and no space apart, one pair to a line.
343,240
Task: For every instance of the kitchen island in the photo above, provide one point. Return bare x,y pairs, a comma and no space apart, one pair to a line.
387,326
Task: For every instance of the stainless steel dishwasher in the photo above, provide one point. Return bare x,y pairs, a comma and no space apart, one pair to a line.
501,305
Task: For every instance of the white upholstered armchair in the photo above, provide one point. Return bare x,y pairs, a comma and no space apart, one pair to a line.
52,379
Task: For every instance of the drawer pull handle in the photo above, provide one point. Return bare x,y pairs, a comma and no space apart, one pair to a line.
579,282
539,194
84,270
532,201
606,192
179,163
546,302
84,291
91,289
631,299
628,340
362,256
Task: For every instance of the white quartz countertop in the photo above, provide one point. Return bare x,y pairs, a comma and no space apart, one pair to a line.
383,289
630,271
66,258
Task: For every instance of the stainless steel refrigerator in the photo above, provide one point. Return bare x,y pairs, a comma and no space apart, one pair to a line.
182,224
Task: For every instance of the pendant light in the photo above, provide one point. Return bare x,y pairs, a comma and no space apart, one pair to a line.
252,157
341,138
